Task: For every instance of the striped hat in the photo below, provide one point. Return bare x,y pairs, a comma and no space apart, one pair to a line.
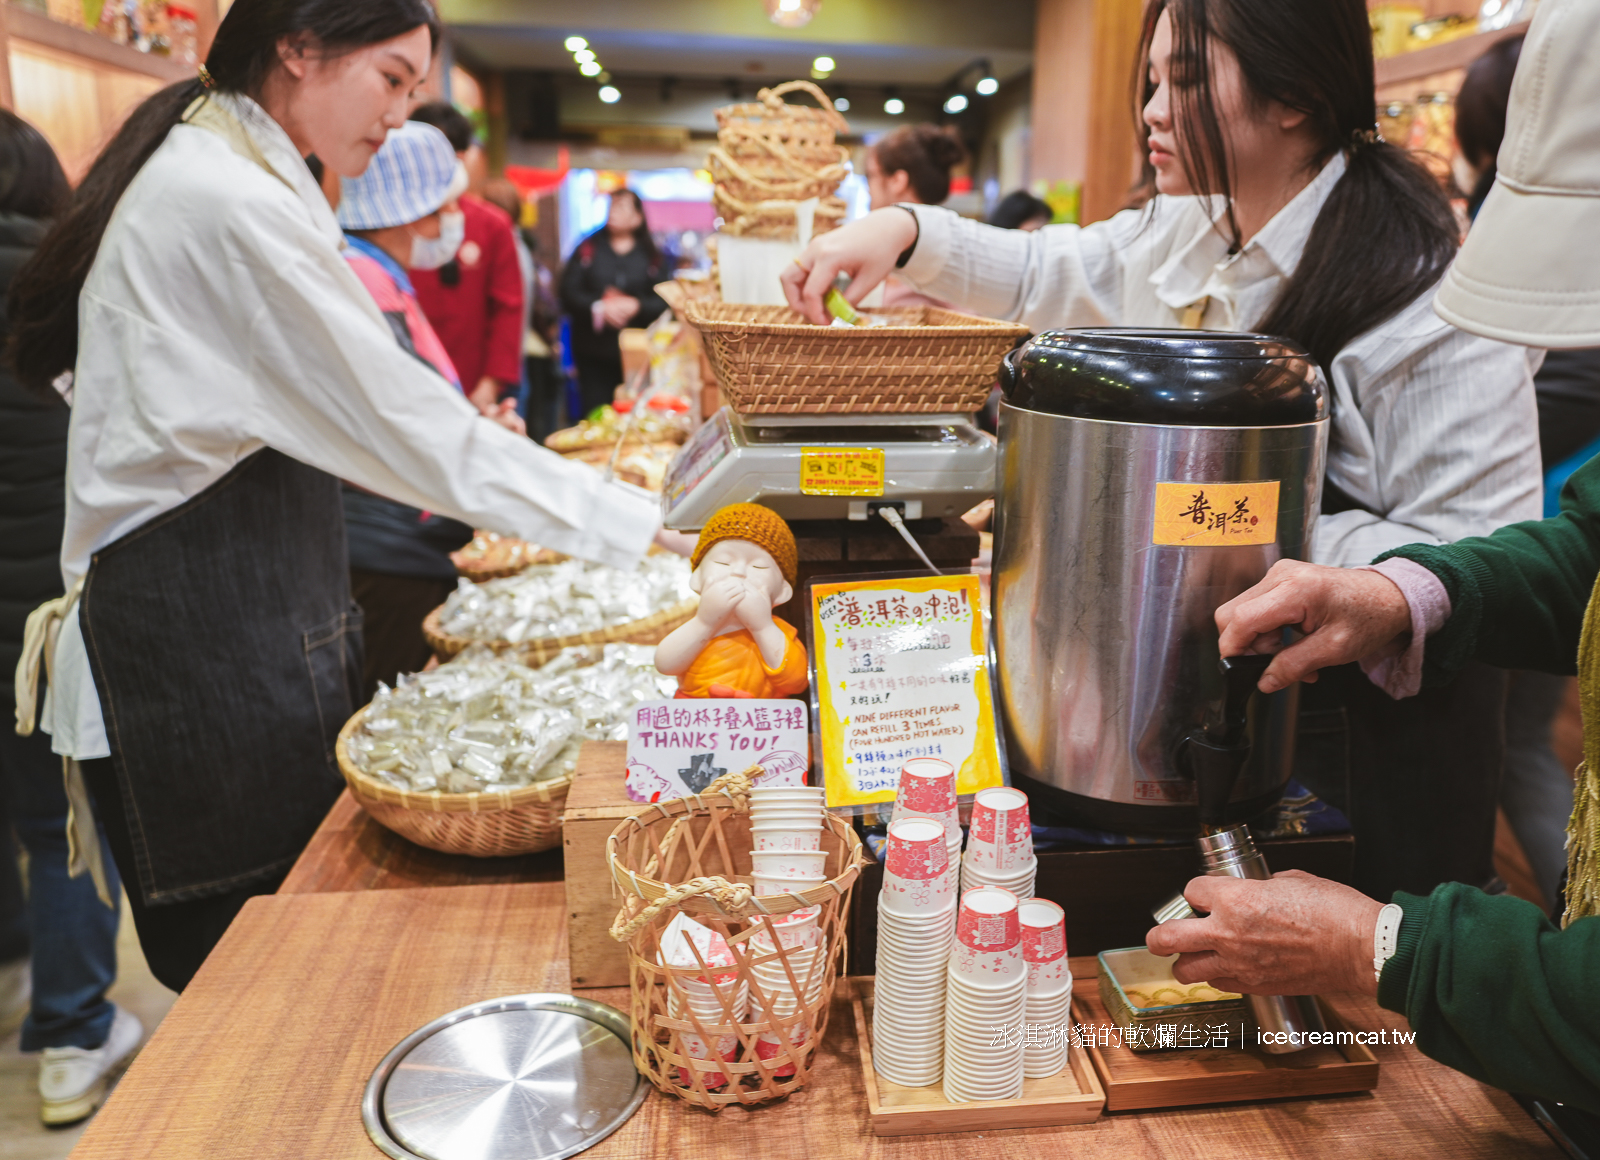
414,174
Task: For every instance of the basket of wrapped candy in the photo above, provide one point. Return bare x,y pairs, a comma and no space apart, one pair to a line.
476,756
546,608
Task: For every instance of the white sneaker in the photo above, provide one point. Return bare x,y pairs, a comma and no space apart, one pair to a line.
16,993
72,1080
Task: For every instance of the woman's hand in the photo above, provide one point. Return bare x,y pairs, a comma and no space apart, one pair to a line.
505,414
866,250
1294,934
1347,614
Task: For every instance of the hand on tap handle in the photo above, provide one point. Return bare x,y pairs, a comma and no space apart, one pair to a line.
1346,615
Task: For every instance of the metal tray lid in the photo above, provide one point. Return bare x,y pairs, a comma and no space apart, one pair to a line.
527,1077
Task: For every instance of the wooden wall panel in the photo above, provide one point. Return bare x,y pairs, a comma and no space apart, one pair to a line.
76,104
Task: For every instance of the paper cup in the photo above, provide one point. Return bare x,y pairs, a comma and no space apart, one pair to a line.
797,929
988,950
928,790
914,868
768,884
1044,946
1000,837
807,864
785,837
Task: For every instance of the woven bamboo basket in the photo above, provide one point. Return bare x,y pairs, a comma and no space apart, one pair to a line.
769,360
770,155
691,855
651,629
483,825
494,557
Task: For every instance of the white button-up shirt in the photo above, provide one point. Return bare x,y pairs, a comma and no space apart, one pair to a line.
220,318
1434,429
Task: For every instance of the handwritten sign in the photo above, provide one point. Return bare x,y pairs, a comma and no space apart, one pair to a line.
841,471
902,672
678,747
1209,515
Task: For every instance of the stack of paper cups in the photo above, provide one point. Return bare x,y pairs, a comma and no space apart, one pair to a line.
1049,1009
712,1002
916,923
1000,844
783,988
928,790
985,1000
786,829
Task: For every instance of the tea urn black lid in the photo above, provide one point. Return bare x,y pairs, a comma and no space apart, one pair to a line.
1187,378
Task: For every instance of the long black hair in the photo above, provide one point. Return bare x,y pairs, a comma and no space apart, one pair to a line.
1481,108
43,301
31,181
641,235
1386,233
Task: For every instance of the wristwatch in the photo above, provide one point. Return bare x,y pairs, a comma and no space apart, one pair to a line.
1386,937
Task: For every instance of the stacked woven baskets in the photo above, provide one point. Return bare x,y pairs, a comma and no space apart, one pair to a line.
771,155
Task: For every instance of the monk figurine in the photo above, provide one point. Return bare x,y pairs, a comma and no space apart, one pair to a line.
745,564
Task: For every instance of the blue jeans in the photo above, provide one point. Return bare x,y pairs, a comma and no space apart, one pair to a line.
72,933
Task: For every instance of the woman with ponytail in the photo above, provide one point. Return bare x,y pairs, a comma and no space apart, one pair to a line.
228,369
1280,210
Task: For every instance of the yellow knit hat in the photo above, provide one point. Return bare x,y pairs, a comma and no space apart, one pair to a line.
759,525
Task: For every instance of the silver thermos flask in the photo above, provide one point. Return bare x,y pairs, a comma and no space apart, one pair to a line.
1231,852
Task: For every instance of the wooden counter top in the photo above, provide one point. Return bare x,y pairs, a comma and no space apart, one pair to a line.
266,1055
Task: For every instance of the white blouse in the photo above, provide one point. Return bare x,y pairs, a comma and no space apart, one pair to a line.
1434,428
220,318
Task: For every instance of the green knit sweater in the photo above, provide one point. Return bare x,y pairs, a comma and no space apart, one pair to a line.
1489,985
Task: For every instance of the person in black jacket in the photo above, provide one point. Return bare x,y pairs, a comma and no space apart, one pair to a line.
609,284
71,933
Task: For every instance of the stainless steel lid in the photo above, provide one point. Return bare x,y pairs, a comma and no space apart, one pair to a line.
528,1077
1183,378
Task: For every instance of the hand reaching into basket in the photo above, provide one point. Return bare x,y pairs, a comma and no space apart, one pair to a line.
865,249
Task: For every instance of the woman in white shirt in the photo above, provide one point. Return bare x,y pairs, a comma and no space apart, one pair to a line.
1279,210
230,368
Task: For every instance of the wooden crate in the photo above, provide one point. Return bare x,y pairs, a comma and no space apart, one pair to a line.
596,804
1073,1097
1218,1075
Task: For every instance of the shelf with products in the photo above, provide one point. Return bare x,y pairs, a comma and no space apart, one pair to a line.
1423,63
35,27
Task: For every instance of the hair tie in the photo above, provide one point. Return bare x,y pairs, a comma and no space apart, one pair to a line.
1361,138
206,79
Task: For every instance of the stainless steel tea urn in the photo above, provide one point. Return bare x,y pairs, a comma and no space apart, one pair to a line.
1145,478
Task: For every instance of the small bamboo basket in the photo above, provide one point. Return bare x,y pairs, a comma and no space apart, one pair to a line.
651,629
769,360
771,155
482,825
701,843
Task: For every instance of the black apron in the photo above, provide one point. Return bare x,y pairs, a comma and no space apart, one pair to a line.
227,655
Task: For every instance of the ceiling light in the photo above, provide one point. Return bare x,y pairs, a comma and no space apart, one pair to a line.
589,68
956,103
583,55
609,94
842,104
574,43
792,13
987,87
894,106
823,64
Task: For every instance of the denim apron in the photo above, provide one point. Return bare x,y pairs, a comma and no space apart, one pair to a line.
227,655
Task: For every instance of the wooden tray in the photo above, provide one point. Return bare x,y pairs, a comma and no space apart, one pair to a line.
1073,1097
1217,1075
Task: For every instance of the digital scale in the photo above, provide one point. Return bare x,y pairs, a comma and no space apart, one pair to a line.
831,467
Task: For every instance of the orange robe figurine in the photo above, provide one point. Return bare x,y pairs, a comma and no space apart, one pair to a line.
745,564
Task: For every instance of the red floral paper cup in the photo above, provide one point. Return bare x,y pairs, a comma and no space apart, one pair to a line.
1001,837
988,950
916,865
928,790
1044,945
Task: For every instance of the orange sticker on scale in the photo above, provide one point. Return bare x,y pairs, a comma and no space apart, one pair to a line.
841,471
1215,515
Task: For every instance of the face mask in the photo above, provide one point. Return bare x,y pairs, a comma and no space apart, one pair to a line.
431,253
